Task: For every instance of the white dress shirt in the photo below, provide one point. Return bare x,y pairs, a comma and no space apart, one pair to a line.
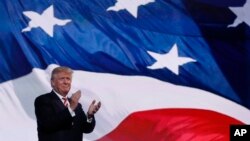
70,110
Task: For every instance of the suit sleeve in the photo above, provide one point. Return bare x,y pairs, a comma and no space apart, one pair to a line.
86,127
48,119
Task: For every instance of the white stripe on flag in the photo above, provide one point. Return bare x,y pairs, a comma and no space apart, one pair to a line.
120,96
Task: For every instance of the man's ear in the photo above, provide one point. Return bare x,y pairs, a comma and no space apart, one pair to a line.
52,83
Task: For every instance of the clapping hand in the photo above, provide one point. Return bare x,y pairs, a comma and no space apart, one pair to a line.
74,99
93,108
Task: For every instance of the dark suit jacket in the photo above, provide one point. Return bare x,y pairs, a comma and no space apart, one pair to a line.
55,123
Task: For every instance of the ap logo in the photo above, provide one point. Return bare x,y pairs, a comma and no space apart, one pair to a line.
239,132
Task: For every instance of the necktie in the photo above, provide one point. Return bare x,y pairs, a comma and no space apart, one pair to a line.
65,101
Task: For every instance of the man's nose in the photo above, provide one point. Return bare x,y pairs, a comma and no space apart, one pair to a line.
66,81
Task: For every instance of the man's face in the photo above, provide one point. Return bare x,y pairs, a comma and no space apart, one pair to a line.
61,82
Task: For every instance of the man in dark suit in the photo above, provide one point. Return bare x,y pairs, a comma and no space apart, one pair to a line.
60,118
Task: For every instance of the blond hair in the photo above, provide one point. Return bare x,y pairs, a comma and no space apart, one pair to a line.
59,70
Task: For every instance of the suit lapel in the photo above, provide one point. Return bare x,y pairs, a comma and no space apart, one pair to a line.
57,101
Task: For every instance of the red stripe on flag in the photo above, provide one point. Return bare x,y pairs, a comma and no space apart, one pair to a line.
173,125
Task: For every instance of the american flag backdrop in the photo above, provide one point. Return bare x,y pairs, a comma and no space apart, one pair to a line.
164,70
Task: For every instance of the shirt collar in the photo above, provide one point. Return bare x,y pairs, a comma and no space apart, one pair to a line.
60,96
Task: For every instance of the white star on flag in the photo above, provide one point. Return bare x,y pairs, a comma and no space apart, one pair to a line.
171,60
242,14
130,5
46,20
